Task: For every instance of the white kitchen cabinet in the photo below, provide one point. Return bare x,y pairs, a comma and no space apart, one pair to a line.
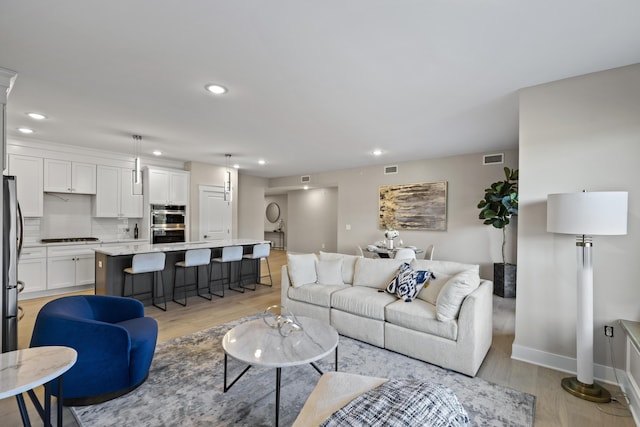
167,187
32,269
28,171
114,194
69,266
63,176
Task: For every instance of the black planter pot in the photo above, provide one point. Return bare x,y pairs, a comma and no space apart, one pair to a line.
504,280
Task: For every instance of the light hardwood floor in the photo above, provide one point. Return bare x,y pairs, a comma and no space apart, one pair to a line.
554,407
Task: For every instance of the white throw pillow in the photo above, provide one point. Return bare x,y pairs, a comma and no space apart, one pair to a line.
348,264
329,272
375,272
302,269
443,270
454,292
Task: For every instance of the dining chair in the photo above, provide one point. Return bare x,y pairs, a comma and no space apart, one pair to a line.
428,253
405,253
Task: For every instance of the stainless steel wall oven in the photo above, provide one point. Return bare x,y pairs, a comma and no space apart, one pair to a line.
168,223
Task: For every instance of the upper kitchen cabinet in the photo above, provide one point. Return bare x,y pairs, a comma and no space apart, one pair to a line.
167,187
62,176
30,187
114,195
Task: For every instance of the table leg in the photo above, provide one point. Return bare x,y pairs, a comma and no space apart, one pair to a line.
59,402
47,404
23,410
237,378
278,373
336,358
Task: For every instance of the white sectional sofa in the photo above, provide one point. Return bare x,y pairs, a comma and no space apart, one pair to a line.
449,324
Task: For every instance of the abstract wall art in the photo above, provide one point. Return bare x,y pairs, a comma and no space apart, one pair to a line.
414,206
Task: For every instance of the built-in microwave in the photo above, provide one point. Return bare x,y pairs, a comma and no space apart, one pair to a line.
167,223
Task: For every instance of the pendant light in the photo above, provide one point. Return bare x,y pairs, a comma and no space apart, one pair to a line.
227,178
137,172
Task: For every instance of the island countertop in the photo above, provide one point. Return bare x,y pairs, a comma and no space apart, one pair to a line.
142,248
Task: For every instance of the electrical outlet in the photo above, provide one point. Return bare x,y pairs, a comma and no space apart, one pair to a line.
608,331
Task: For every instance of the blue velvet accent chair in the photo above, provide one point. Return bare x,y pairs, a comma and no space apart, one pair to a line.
114,340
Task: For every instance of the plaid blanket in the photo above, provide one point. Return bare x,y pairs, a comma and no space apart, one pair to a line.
402,402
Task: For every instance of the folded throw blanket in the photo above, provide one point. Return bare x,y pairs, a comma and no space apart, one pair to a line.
402,402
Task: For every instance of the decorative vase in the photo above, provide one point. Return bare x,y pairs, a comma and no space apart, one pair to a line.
390,244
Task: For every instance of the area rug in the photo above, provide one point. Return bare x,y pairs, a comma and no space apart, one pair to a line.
185,387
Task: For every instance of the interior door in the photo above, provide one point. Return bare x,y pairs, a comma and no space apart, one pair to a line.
215,214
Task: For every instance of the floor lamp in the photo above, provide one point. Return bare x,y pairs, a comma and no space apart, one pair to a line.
584,215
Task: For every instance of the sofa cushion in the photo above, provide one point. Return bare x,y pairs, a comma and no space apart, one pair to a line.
454,292
375,272
362,301
443,271
302,269
348,264
329,272
420,316
314,294
408,282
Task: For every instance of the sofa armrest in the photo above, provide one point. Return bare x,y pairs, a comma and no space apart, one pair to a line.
475,322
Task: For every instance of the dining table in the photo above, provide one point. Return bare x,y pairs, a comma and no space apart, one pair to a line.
384,252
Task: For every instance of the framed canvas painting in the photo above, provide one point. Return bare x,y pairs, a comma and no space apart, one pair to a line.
414,206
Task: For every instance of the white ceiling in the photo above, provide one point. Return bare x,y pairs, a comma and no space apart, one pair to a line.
313,85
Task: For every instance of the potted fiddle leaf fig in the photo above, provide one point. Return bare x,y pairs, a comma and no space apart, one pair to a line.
500,203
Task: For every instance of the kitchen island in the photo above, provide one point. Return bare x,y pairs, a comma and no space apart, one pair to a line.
111,261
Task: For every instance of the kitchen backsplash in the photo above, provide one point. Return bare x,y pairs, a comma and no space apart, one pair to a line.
70,215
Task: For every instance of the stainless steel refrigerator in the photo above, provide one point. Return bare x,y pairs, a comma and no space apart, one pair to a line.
11,246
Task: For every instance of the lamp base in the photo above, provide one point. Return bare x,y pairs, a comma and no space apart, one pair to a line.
591,392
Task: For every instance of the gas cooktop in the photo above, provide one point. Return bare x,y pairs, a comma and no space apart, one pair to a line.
70,239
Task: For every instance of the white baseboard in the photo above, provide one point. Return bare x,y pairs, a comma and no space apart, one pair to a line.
560,363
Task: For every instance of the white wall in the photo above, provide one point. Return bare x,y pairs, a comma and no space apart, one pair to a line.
575,134
313,218
251,206
466,238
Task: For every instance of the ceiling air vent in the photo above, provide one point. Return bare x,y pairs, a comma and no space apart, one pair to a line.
305,179
493,159
390,169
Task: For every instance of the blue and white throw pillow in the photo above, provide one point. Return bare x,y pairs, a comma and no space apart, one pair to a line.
408,282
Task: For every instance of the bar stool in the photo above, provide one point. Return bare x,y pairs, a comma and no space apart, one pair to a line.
192,258
260,251
146,263
230,254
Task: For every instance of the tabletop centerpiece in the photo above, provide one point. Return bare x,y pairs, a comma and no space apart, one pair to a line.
391,234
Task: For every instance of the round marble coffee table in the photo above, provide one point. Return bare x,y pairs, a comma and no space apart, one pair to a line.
23,370
257,344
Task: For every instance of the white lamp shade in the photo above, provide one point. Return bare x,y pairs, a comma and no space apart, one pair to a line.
588,213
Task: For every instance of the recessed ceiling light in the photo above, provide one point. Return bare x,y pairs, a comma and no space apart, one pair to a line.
217,89
377,152
25,130
262,162
157,153
37,116
236,166
306,187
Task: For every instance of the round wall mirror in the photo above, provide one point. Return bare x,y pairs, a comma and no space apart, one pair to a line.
273,212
